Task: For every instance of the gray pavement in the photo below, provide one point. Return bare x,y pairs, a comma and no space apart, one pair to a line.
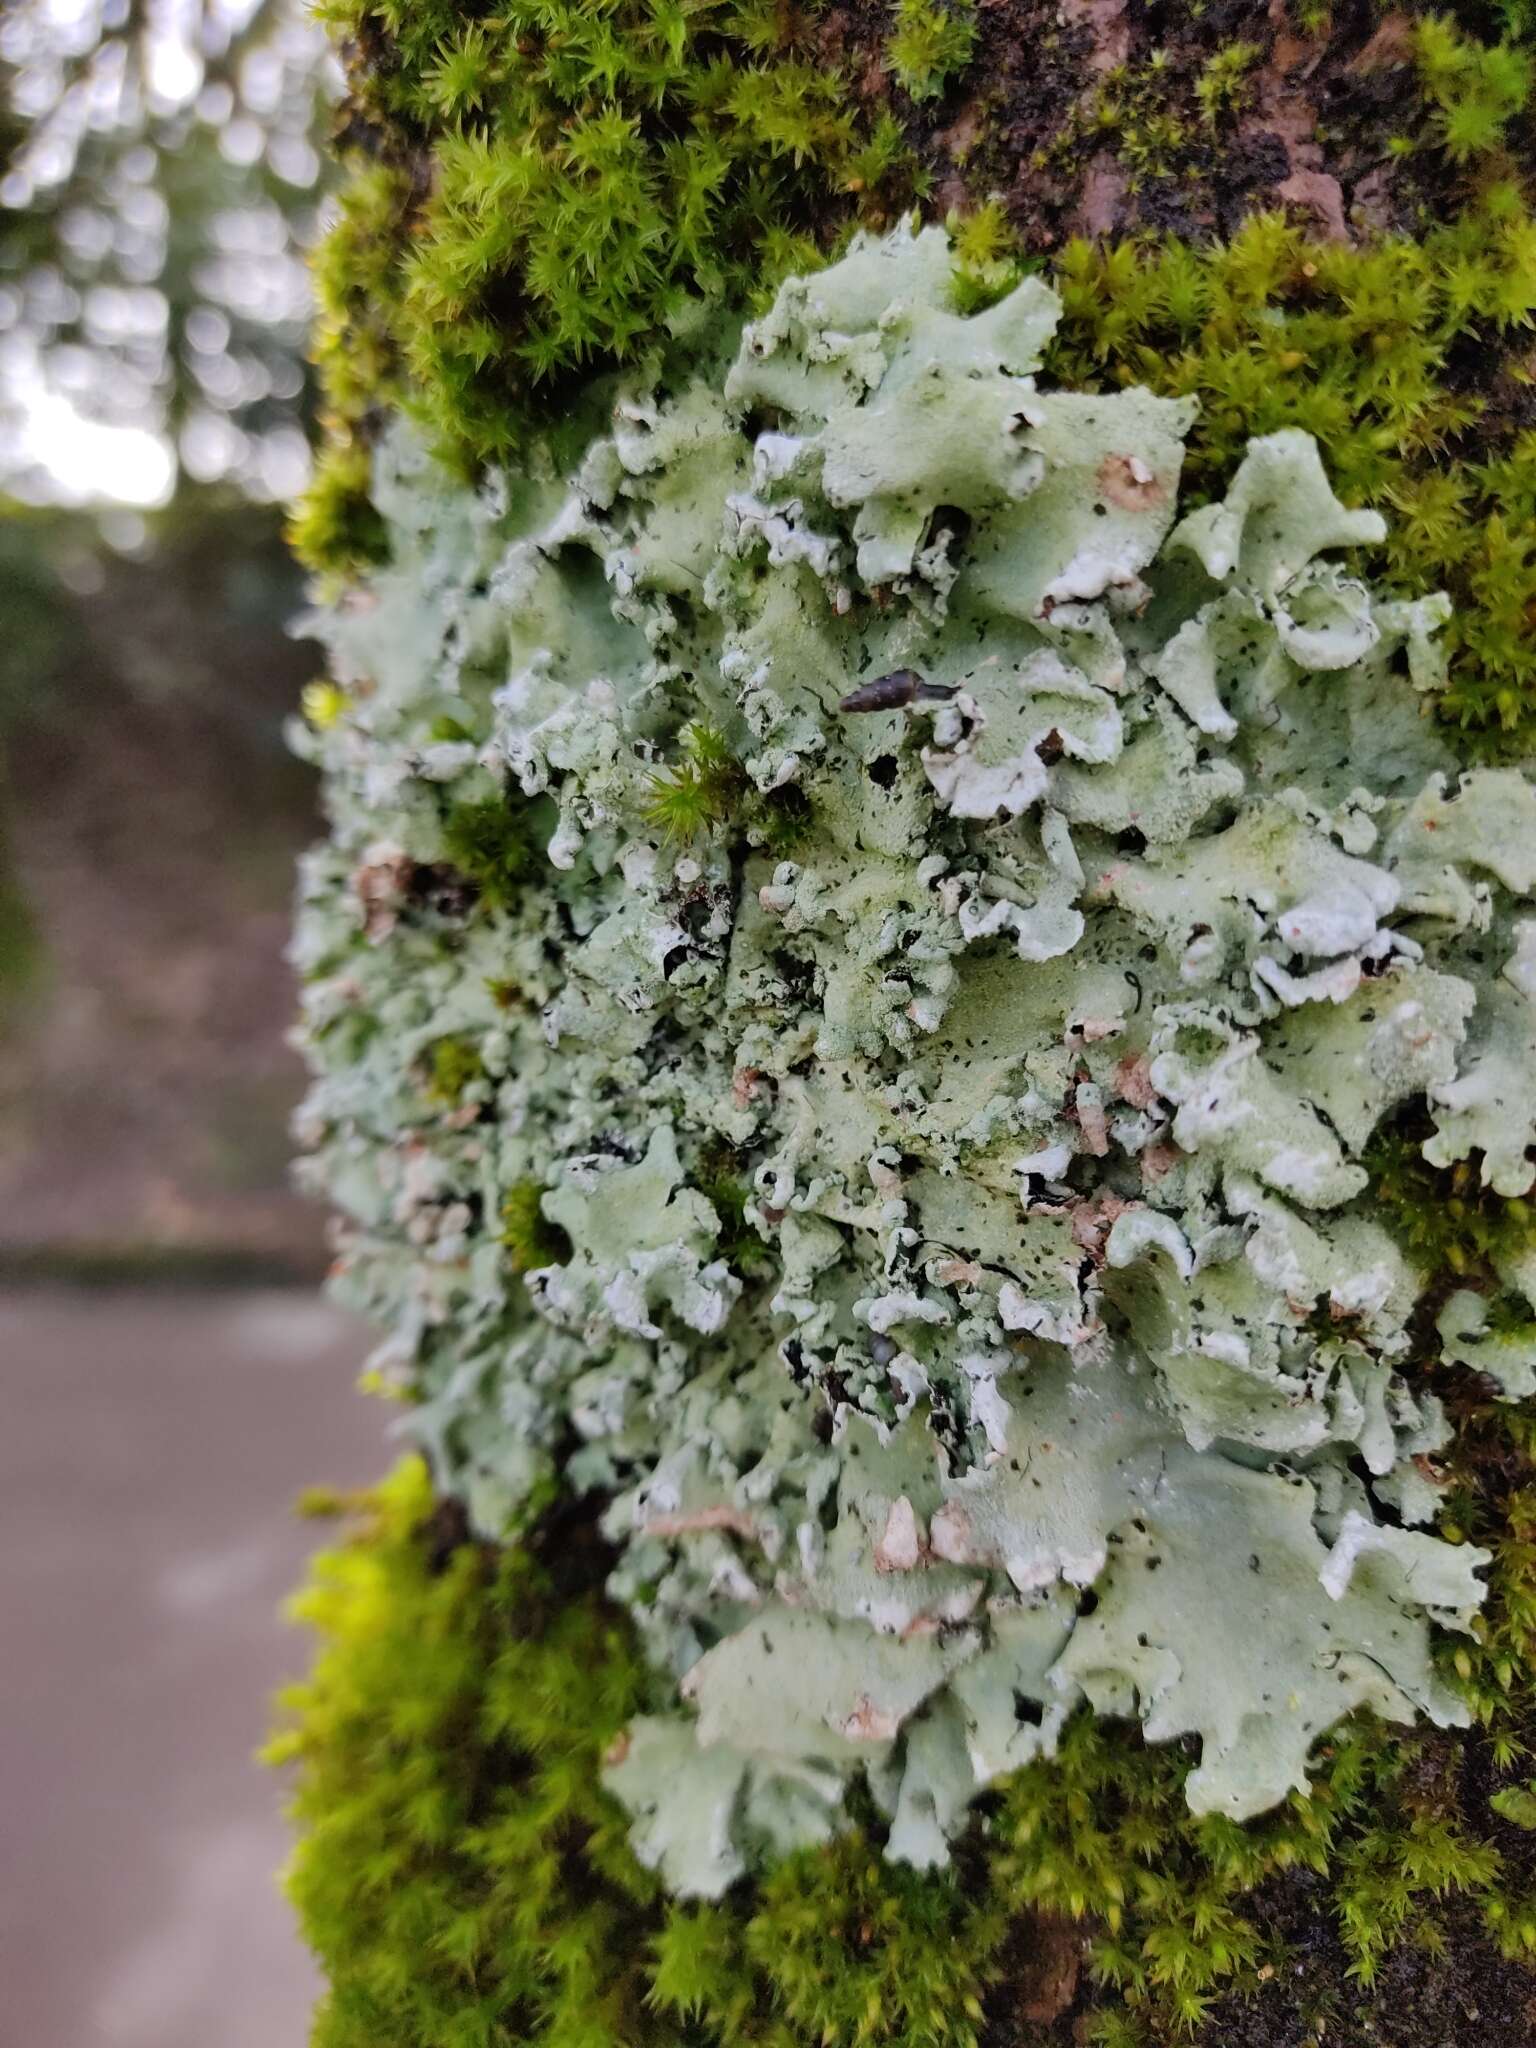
151,1445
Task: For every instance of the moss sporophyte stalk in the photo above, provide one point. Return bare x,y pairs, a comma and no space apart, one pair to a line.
869,975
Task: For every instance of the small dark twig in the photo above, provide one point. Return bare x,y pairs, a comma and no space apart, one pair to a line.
894,692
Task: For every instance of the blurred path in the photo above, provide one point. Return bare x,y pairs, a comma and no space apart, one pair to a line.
151,1447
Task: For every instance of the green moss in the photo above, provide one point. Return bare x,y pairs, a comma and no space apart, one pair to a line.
465,1881
723,1186
705,788
931,41
986,256
1223,85
491,843
453,1064
1157,122
1447,1221
335,526
529,1236
709,787
1476,89
546,191
1516,1803
779,820
461,1876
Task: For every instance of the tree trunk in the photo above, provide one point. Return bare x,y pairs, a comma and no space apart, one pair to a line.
922,1025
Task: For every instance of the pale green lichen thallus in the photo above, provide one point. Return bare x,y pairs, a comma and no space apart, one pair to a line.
901,1157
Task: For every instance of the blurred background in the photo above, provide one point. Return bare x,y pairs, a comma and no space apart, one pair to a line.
171,1378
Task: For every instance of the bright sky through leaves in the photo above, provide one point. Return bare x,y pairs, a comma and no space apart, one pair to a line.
161,183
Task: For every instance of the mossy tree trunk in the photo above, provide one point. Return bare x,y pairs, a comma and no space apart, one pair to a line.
1300,216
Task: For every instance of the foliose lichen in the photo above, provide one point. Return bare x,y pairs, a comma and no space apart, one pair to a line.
959,1280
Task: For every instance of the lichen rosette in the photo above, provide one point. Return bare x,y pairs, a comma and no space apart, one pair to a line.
906,940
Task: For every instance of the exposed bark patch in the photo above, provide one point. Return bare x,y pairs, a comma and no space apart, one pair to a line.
1042,1967
1100,117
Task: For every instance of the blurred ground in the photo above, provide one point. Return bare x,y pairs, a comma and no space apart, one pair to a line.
155,1435
153,1442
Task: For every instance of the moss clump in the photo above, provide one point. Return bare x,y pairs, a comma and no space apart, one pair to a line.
709,788
335,525
453,1065
1446,1220
545,191
530,1238
1476,89
931,41
1224,86
490,842
462,1877
703,790
719,1179
465,1880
